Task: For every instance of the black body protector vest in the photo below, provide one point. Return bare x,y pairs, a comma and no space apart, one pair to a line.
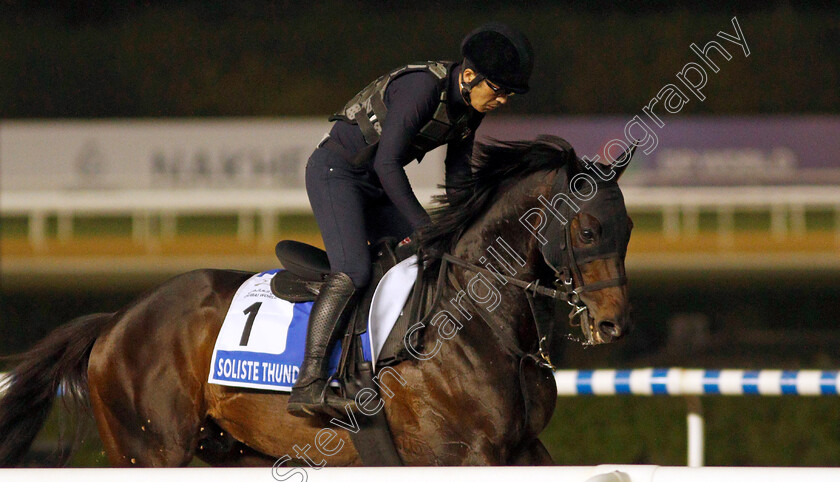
367,110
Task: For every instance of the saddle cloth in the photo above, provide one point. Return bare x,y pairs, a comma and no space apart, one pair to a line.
262,339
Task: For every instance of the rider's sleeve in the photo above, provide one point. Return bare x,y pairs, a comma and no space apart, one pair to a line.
411,100
457,161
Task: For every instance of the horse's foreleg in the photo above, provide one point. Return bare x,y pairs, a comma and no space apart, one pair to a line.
533,453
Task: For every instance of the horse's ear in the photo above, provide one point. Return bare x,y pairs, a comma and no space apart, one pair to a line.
573,165
624,160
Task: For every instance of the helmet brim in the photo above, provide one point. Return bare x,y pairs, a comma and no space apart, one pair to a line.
516,89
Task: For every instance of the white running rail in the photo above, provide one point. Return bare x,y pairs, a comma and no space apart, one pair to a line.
680,208
600,473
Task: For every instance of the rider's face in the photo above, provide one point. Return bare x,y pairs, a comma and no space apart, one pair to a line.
485,96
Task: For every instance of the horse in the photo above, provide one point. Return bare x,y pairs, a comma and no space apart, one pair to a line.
480,395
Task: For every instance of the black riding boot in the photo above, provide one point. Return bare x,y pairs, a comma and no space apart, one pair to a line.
326,321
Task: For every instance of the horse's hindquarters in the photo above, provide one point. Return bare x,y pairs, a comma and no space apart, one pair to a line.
147,373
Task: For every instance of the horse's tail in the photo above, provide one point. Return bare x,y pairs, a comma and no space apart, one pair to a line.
58,361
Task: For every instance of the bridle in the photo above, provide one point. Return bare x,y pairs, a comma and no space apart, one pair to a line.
569,282
569,285
565,262
566,288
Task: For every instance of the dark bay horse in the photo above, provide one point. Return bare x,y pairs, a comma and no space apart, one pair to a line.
470,400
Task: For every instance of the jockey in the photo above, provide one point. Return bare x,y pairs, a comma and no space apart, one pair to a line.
355,179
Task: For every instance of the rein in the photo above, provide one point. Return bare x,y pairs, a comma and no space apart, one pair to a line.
541,356
531,289
564,290
567,292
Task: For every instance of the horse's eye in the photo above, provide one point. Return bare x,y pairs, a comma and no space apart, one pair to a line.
587,235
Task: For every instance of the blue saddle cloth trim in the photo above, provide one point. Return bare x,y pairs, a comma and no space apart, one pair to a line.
278,370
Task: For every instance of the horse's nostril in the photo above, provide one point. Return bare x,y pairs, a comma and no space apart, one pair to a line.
609,328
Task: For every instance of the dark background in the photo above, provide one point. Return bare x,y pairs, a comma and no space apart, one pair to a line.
128,58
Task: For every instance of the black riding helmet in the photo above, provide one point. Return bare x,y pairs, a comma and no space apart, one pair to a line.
500,54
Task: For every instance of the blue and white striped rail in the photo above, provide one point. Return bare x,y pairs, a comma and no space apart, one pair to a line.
691,383
688,382
694,382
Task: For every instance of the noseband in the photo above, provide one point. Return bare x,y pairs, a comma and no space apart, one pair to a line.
560,255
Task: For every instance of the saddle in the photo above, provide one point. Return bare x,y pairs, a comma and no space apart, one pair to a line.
306,267
305,270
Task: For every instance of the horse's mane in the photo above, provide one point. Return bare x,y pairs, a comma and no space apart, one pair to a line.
493,164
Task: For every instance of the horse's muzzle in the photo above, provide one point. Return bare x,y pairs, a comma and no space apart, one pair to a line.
608,330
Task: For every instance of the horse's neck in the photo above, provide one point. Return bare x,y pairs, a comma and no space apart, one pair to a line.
501,220
498,241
